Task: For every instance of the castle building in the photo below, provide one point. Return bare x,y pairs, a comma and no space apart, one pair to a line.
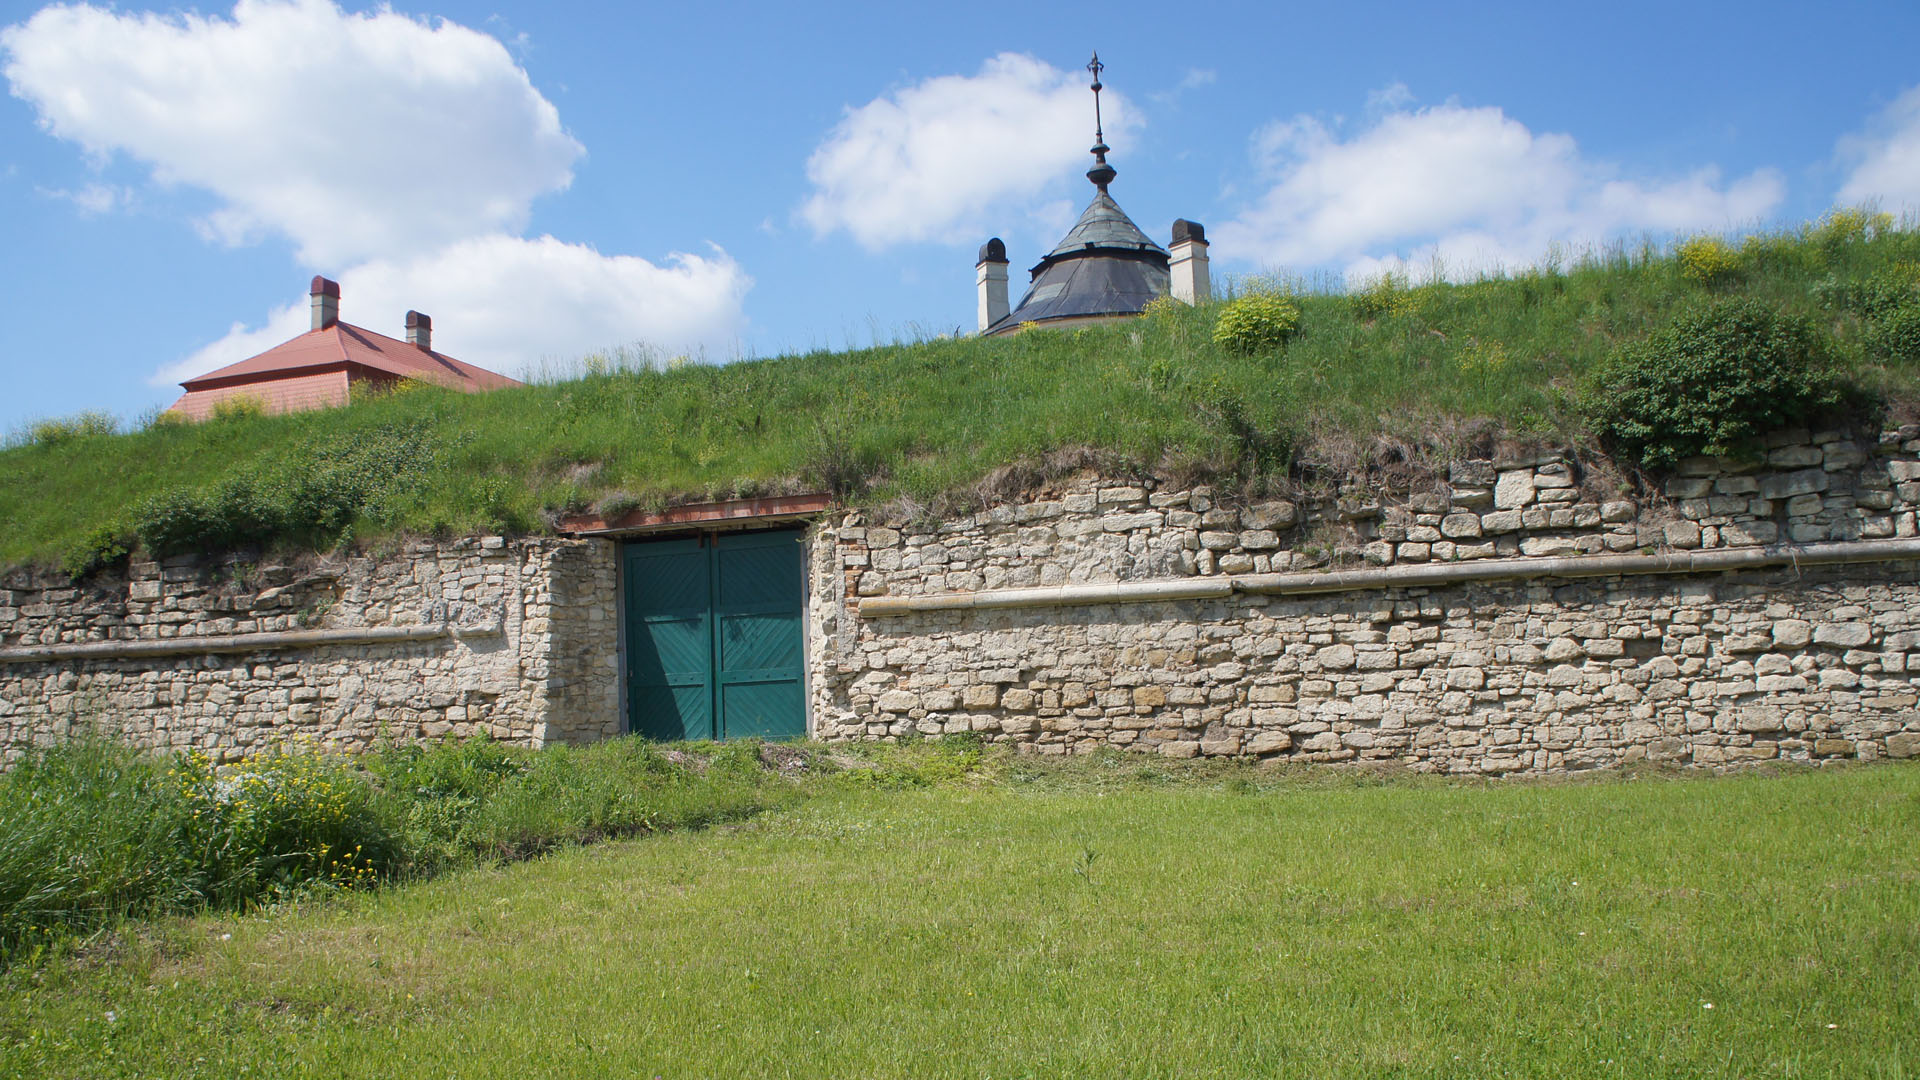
1104,269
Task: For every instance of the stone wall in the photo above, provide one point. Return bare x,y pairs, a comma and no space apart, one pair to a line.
517,640
1455,623
1495,676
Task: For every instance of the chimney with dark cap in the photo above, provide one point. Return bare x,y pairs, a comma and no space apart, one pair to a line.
1188,264
326,302
419,331
990,274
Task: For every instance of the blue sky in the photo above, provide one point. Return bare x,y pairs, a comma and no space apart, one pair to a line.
546,180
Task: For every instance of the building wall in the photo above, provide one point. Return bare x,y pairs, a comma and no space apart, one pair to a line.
1497,676
527,656
285,394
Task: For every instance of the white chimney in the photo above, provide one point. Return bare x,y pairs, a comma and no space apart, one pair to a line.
419,331
325,297
990,274
1188,265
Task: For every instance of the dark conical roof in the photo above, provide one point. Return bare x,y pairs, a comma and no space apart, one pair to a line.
1104,266
1104,224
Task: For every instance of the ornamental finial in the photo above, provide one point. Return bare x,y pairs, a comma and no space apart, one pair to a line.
1102,173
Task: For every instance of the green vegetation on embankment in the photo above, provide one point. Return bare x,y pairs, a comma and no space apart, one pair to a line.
1389,369
1107,915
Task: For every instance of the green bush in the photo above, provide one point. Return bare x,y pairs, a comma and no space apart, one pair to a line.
1873,297
1256,323
1896,336
178,520
1711,382
98,548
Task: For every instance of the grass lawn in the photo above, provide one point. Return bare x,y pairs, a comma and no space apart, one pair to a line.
1082,920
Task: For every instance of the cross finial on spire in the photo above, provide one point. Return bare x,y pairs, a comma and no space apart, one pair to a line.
1102,173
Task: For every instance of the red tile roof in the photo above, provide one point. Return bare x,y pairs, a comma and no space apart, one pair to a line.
343,343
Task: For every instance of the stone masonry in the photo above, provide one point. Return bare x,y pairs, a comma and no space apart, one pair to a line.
1514,671
529,655
1510,676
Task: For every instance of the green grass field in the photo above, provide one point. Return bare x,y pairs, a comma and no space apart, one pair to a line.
1402,371
1099,918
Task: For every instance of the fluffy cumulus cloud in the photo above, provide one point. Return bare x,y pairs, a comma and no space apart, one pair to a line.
518,306
1884,160
399,155
351,134
1470,187
947,157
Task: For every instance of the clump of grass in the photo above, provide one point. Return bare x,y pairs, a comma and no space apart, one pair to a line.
93,832
60,430
1708,260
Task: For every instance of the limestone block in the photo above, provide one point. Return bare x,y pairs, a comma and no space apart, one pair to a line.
1461,526
1682,534
1795,457
1904,745
1273,742
1549,546
1259,540
1147,696
1843,635
1787,485
1270,515
1335,657
1473,473
1688,487
1738,533
1514,489
1219,541
1792,633
898,701
1501,521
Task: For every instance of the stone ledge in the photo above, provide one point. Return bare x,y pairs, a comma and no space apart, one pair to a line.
1688,562
241,643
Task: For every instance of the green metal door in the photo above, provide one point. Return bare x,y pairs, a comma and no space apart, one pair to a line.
715,648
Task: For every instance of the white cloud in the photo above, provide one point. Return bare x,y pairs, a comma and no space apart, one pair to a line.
353,135
1885,159
1471,187
952,157
509,304
92,200
401,157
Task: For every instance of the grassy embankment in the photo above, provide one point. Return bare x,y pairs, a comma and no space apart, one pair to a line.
1429,367
1103,917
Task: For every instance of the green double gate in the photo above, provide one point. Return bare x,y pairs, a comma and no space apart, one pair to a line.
715,648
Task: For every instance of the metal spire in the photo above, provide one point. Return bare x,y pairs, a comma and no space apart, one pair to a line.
1102,173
